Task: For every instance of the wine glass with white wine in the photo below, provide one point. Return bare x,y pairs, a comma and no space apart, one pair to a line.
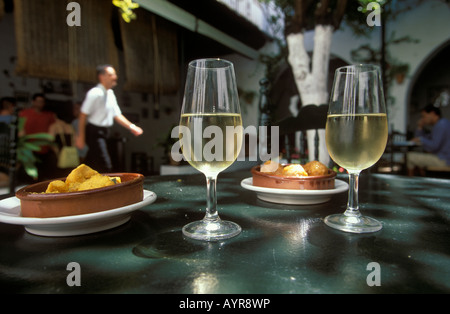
211,136
356,135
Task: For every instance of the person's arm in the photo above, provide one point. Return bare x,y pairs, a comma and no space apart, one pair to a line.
128,125
80,139
419,133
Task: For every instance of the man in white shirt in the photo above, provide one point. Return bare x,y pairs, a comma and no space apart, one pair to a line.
98,113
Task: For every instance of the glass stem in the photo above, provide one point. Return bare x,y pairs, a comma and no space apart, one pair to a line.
211,199
353,205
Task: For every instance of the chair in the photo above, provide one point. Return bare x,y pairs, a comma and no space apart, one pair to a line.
310,117
8,152
397,144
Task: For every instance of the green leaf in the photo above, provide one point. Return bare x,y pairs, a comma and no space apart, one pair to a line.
28,144
21,123
39,136
31,146
31,171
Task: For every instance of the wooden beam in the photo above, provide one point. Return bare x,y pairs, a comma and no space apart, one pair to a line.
185,19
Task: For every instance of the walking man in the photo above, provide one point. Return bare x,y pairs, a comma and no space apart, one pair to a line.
99,111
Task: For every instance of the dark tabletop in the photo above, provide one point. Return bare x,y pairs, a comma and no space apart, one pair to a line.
283,249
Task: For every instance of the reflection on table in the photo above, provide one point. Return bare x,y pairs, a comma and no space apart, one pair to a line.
282,249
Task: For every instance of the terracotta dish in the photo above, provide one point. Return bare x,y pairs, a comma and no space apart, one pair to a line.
34,203
269,180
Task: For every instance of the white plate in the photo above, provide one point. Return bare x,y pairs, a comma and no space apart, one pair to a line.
70,225
294,197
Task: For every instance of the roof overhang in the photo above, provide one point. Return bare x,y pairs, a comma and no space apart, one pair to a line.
192,15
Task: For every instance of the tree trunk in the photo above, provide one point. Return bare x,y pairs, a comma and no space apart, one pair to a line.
311,77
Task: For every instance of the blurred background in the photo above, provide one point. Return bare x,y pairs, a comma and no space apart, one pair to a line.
151,45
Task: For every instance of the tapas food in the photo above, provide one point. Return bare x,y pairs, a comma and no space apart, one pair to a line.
84,191
311,176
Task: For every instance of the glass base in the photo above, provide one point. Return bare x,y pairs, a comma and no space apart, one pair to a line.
361,224
211,230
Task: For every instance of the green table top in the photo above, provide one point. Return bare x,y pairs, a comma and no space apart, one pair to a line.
283,249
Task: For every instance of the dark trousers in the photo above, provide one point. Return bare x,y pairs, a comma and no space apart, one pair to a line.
98,157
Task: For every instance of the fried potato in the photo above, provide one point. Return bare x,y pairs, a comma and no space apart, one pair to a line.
57,186
316,168
271,167
294,170
94,182
80,179
313,168
80,174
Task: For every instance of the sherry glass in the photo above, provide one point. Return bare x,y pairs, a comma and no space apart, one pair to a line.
211,136
356,135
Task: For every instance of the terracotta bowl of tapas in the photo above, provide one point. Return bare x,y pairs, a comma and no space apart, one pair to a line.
35,203
270,180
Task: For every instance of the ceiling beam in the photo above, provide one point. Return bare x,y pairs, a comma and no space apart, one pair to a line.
185,19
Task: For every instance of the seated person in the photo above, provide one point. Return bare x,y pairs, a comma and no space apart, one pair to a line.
7,109
7,112
436,144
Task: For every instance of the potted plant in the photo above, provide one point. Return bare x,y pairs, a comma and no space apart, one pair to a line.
399,71
27,145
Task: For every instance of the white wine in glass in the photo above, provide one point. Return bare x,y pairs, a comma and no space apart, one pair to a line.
356,142
211,137
224,150
356,136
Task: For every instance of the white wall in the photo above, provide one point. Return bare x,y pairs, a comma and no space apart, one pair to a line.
429,23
